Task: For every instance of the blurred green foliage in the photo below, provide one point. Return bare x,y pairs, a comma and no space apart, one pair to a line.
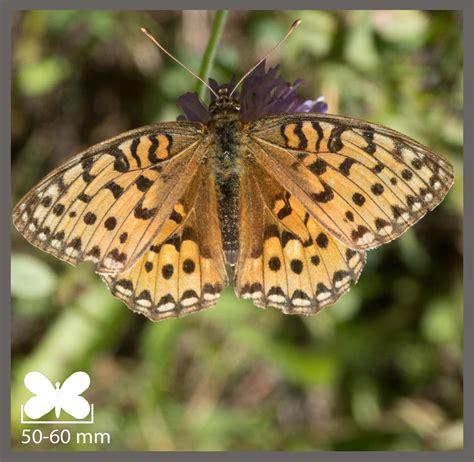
380,370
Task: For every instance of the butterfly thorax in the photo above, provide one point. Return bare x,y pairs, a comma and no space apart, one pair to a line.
226,125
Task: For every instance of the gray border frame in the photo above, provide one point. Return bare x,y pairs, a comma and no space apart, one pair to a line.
7,7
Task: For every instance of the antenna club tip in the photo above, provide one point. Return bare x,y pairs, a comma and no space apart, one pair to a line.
145,30
296,23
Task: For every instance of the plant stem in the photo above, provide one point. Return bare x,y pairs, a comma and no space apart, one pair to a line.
208,58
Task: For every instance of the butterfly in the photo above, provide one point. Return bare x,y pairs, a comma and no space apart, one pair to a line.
285,205
48,396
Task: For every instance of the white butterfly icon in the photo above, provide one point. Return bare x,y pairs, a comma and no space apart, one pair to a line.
57,397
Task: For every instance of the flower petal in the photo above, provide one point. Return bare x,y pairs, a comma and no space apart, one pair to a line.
193,109
264,92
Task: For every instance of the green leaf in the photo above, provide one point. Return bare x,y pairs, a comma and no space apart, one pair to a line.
441,325
38,78
360,48
31,278
404,28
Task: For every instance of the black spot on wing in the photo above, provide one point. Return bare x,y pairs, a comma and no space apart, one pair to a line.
345,166
174,241
318,167
377,189
58,209
144,213
322,240
274,263
133,150
286,237
47,201
144,295
189,294
76,243
189,266
83,197
118,256
87,164
368,135
152,149
326,195
167,271
176,217
110,223
90,218
358,199
165,300
381,223
320,133
143,183
94,252
121,163
335,143
114,188
296,266
378,168
303,142
284,211
359,232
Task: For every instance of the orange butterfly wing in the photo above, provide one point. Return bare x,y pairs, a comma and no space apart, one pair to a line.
365,184
287,260
108,203
316,192
183,271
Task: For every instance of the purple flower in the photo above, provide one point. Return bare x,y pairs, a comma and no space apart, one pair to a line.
263,93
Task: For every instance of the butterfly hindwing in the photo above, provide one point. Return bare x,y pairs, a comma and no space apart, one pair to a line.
287,260
107,204
183,270
364,183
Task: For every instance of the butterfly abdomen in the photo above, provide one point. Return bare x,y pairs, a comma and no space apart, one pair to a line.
226,165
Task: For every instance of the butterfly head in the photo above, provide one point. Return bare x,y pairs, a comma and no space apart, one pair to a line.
224,103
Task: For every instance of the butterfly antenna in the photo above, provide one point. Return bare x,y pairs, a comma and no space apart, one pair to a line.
278,45
164,50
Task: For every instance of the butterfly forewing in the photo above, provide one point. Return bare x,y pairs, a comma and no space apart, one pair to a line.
363,183
107,204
